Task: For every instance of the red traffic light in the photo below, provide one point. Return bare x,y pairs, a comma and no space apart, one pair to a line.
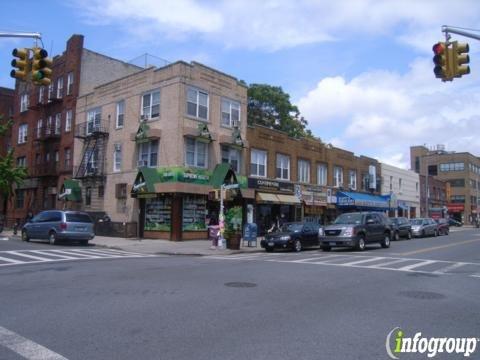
439,48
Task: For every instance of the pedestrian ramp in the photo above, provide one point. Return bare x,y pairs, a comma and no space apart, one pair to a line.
22,257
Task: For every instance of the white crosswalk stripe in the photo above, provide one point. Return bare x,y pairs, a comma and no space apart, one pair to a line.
20,257
409,265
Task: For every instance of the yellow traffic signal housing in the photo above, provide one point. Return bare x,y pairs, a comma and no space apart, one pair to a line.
442,61
460,58
21,63
41,67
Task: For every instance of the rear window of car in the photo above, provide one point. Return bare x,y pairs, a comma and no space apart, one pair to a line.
77,217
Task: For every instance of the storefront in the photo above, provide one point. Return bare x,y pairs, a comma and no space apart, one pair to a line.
71,194
315,201
456,211
355,201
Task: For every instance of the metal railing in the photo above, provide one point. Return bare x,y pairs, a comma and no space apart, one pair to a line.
90,129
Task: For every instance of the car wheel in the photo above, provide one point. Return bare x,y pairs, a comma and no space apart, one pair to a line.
447,231
269,249
409,235
52,238
435,233
386,241
25,236
325,248
396,236
423,233
360,246
297,246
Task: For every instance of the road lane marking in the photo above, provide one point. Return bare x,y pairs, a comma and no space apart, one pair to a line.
417,265
18,253
353,263
27,348
433,248
54,253
385,264
11,261
449,268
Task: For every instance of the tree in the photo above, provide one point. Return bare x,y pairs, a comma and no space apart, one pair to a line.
270,106
10,174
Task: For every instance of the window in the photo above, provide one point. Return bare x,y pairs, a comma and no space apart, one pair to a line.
303,171
49,127
38,159
70,83
93,120
322,174
151,105
117,157
59,88
39,128
58,123
400,184
337,176
457,182
231,156
352,184
91,160
23,102
19,198
452,167
41,94
88,196
68,120
258,163
22,133
101,191
197,103
148,153
68,157
120,114
50,92
230,113
57,157
458,199
391,183
196,153
283,167
22,161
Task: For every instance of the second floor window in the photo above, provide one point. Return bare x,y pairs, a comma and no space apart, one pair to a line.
151,105
322,174
196,153
60,88
41,94
93,120
337,176
22,161
24,102
352,183
230,113
120,114
303,171
283,167
148,153
68,120
231,156
117,157
258,163
197,103
39,128
69,83
58,123
22,133
68,158
50,92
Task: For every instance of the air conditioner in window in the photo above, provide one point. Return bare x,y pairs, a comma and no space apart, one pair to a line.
141,163
118,147
144,117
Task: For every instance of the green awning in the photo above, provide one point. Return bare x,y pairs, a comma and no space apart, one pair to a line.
146,179
74,190
222,174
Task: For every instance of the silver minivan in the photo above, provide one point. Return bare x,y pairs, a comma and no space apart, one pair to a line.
57,225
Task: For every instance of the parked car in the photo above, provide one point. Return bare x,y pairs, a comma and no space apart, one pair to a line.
356,230
293,236
442,226
56,225
453,222
424,227
401,227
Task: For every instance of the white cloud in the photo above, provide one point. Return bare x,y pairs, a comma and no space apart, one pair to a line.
382,114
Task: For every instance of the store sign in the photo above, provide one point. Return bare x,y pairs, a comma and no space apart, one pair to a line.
184,175
345,201
348,201
455,207
314,196
269,185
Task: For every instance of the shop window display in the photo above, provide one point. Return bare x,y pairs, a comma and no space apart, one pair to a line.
194,213
158,214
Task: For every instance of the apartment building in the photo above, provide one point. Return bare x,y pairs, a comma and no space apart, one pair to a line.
147,147
6,111
44,120
461,172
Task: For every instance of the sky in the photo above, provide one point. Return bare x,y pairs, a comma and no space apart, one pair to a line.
360,71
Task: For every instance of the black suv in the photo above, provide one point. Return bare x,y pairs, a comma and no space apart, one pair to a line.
356,230
401,227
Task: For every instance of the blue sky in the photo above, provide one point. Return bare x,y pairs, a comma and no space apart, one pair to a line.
359,70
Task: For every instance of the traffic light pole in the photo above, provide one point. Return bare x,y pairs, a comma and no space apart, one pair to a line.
448,29
31,35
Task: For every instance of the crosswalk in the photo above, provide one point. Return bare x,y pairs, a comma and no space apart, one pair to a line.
388,263
21,257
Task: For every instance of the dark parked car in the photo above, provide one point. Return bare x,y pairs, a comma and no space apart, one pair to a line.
401,227
442,226
453,222
424,227
293,236
356,230
55,225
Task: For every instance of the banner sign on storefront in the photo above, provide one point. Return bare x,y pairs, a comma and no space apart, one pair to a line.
455,207
272,185
314,196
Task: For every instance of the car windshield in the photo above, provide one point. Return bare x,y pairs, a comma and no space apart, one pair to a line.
416,221
292,227
78,217
353,218
394,221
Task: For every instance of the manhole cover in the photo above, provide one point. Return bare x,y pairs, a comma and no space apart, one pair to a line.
240,284
422,295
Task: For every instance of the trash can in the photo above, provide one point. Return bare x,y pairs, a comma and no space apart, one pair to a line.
233,242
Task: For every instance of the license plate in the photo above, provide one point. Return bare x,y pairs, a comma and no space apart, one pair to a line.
271,243
333,243
80,228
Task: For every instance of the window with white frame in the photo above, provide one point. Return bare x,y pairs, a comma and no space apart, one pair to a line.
57,156
148,153
50,92
304,171
94,117
58,123
69,83
151,105
23,102
230,113
120,114
59,87
22,161
49,128
258,163
352,183
39,128
68,120
91,159
322,174
117,157
196,153
337,176
41,94
283,167
67,157
231,156
197,103
22,133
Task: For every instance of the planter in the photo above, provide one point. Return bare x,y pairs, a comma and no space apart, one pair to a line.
233,241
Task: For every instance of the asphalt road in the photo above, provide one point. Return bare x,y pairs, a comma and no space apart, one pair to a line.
312,305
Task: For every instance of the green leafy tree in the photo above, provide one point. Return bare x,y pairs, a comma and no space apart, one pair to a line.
10,174
270,106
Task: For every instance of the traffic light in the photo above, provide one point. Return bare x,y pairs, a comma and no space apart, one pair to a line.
21,63
41,67
460,59
442,61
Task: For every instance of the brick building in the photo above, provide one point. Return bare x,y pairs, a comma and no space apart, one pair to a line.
6,111
44,119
